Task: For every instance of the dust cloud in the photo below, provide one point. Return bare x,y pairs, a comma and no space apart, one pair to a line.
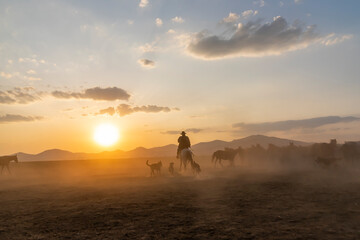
256,198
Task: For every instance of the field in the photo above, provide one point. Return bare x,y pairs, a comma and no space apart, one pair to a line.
116,199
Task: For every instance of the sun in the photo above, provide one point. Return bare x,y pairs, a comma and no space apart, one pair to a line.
106,134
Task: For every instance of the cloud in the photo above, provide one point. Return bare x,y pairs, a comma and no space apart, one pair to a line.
143,3
189,130
33,60
31,71
8,118
97,93
297,1
254,40
158,22
261,3
130,22
109,110
32,78
126,109
146,63
148,47
171,31
310,123
248,13
332,39
6,99
231,18
6,75
28,94
178,19
19,95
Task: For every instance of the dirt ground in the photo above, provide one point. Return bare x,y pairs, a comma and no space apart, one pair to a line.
116,199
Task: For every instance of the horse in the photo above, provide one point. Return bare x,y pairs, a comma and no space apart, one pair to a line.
186,156
327,162
227,154
5,160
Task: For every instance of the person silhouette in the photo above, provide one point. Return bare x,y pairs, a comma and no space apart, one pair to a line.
184,142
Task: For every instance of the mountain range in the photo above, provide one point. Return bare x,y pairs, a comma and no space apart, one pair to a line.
200,149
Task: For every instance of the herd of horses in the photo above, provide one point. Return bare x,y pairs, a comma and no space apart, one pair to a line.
322,154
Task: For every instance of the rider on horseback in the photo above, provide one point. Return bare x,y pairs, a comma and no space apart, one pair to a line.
184,142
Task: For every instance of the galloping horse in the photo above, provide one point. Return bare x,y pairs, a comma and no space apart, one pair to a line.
186,156
5,160
227,154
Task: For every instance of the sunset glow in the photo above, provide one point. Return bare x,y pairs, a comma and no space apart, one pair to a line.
106,135
218,71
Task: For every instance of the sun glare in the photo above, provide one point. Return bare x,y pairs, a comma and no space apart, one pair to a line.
106,134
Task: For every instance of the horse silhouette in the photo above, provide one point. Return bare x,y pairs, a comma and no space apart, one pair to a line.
5,160
227,154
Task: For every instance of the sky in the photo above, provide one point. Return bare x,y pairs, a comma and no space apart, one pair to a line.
153,68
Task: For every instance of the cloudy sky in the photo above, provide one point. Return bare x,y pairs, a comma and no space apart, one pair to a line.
217,69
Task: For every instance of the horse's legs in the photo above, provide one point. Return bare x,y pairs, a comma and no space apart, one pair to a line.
221,162
7,166
2,168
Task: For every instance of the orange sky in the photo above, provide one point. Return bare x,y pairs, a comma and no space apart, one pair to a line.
240,68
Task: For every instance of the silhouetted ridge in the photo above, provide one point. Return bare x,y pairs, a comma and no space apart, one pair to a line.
202,148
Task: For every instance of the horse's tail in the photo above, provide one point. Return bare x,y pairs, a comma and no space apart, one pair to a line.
147,162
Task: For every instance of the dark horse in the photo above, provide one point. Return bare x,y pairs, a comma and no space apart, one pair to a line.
5,160
227,154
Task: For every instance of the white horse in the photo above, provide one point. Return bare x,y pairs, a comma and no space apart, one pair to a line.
186,156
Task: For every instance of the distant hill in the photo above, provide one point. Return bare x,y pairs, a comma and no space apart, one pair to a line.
207,148
203,148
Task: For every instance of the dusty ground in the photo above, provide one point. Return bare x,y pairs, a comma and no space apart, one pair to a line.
118,200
